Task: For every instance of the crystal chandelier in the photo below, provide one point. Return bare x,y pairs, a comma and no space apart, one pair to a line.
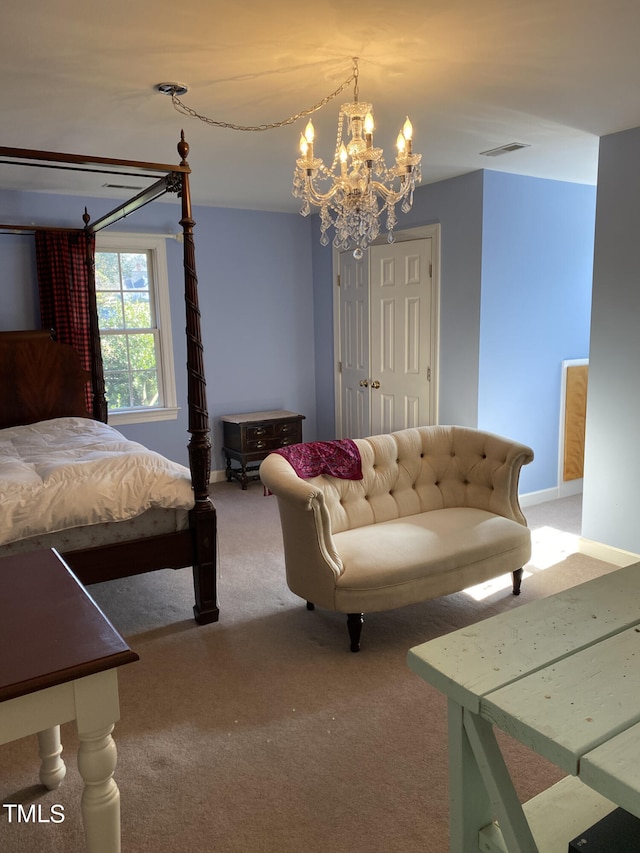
358,186
354,191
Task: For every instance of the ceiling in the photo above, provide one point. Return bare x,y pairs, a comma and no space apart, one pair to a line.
80,77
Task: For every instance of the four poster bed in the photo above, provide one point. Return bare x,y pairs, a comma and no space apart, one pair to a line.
149,513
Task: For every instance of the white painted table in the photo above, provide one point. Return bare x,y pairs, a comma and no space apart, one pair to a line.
59,659
562,676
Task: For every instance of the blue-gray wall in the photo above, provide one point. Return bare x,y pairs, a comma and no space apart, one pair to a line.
612,455
515,277
537,259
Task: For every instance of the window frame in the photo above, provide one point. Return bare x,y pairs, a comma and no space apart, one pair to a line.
155,246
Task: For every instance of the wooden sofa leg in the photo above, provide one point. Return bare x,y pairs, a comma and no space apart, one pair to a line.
354,624
517,581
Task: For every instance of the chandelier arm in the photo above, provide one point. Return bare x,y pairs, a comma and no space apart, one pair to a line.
182,108
319,198
388,193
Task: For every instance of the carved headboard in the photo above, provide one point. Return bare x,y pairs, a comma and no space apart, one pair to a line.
39,379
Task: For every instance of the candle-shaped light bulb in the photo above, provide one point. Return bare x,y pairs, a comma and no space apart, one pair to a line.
401,143
308,138
343,159
407,131
368,130
309,132
304,145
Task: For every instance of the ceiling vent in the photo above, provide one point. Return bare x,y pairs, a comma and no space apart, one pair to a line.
504,149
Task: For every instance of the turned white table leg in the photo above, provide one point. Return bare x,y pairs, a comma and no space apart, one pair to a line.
52,767
97,757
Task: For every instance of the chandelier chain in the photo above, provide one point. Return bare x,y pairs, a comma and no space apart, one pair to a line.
181,107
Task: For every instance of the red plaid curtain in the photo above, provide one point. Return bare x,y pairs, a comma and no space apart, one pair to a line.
64,281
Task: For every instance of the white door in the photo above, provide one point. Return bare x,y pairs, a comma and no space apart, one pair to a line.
354,346
388,343
400,346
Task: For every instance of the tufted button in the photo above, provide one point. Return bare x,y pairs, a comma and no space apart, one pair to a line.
453,453
422,456
466,482
437,483
484,455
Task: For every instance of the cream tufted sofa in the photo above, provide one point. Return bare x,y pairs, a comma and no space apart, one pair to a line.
436,511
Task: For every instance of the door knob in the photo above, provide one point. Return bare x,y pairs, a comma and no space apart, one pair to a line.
364,383
375,384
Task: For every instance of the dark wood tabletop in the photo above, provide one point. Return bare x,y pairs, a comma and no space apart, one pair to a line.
51,630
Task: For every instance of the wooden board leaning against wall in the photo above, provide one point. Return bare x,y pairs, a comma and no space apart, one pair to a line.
574,421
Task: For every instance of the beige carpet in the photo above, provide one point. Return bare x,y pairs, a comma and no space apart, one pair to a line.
263,733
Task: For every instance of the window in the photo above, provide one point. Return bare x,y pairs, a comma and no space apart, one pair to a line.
132,293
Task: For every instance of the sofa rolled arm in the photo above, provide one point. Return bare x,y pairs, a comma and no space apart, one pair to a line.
278,477
306,528
508,458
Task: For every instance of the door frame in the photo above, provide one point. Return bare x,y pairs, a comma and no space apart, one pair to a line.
407,234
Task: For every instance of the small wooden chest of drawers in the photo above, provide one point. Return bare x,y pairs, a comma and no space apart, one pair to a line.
252,436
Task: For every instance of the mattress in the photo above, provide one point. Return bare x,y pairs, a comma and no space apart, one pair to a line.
153,522
67,474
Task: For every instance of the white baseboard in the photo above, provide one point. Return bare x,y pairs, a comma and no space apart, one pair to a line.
217,476
607,553
571,487
564,490
533,498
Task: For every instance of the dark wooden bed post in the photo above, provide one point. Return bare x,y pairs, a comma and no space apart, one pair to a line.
97,370
203,515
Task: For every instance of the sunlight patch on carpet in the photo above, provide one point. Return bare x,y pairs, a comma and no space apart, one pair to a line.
549,546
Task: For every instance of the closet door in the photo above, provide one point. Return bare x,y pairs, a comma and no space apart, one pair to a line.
400,339
354,346
386,328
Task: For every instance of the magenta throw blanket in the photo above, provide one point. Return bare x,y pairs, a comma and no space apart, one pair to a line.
339,458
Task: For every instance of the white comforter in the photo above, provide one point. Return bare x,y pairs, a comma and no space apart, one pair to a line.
71,472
